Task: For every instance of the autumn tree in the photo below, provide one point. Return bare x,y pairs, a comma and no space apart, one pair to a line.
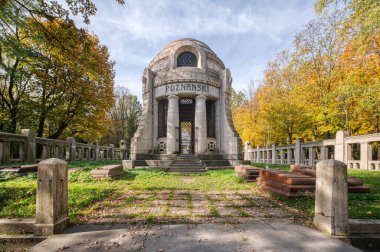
330,82
123,117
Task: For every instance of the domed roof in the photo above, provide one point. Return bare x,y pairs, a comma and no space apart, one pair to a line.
170,48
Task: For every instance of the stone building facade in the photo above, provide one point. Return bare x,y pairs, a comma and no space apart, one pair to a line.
186,101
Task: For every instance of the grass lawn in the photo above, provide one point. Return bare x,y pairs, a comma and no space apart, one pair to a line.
154,194
361,206
18,194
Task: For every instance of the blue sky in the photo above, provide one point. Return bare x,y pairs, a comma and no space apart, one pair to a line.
245,34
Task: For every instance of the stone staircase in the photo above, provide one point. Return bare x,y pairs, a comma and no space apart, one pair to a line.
186,164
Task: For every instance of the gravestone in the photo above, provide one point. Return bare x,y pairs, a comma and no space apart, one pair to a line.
331,198
52,197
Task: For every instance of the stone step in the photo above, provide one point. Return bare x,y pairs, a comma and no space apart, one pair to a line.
186,167
186,170
215,162
218,167
210,157
186,163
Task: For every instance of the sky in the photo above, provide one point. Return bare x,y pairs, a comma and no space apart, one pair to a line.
245,34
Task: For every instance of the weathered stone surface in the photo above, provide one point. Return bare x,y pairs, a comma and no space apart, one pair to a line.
331,198
128,164
206,82
52,197
108,171
363,226
17,226
29,168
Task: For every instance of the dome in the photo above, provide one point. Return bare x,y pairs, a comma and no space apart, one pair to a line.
166,58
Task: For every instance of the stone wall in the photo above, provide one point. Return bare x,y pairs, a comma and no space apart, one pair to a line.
24,148
310,153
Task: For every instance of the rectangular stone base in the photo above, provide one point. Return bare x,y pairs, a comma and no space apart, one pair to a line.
108,171
363,226
128,164
17,226
326,224
50,229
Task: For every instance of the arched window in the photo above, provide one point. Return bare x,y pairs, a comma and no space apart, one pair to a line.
187,59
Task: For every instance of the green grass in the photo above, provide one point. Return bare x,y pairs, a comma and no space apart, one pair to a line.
18,194
360,206
272,166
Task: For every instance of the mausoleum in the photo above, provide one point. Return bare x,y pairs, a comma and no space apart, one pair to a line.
186,106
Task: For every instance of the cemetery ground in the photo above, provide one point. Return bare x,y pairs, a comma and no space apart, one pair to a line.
150,196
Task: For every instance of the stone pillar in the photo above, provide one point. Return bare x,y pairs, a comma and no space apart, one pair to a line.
258,154
282,156
112,151
331,198
6,152
73,148
339,146
123,147
96,151
57,151
324,152
311,156
52,193
298,150
365,155
172,125
274,154
30,149
200,124
289,156
247,148
45,151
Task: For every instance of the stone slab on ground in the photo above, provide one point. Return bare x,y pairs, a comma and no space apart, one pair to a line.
107,171
190,237
363,226
17,226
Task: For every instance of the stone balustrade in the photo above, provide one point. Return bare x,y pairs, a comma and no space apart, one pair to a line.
357,152
25,147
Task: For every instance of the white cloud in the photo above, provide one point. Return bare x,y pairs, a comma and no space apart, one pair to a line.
245,34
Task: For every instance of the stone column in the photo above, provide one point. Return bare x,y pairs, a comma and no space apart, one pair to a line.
298,150
339,146
274,154
200,124
123,147
247,148
57,151
324,152
96,151
45,151
6,152
73,148
311,156
31,145
52,197
112,151
172,124
289,156
331,198
258,154
365,155
282,156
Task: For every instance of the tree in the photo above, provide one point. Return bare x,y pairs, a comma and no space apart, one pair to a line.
124,117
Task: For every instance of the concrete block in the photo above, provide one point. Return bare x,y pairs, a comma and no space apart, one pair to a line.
52,197
331,198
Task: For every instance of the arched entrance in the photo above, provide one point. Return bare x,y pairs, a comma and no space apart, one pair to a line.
186,125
